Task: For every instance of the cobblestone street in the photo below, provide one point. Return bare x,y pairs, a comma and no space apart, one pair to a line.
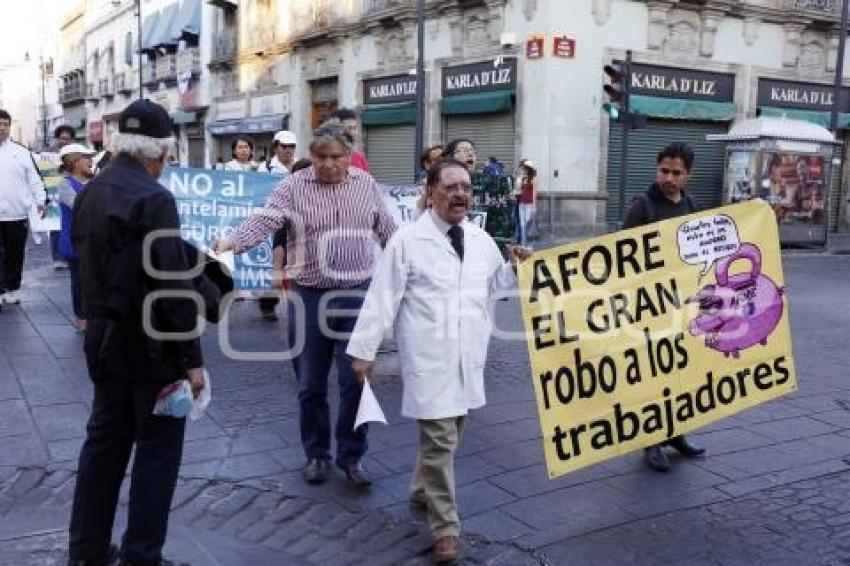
774,487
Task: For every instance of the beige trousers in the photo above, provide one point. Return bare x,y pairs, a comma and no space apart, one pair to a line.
434,474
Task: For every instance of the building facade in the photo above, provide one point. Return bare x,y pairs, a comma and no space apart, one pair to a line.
72,69
521,78
114,71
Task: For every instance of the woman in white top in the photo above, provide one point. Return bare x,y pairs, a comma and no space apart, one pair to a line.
243,150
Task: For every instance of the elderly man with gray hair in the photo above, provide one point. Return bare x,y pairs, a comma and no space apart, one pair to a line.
125,225
332,214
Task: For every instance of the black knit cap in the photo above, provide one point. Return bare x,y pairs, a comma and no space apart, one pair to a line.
145,118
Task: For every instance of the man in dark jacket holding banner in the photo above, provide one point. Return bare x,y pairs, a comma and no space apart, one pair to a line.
137,281
666,198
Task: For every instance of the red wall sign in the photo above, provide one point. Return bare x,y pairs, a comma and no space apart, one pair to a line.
564,46
534,47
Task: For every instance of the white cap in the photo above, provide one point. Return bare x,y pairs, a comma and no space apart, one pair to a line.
75,148
530,164
285,137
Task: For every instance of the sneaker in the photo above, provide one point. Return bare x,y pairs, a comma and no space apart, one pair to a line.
60,264
11,298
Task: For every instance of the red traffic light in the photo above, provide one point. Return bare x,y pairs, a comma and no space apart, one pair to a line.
614,72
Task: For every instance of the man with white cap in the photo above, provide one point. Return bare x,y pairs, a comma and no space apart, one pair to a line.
133,268
20,189
283,145
280,164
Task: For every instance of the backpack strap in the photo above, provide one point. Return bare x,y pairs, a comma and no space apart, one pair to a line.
648,207
691,203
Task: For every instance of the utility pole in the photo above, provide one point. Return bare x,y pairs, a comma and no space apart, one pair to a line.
420,86
43,102
837,99
139,37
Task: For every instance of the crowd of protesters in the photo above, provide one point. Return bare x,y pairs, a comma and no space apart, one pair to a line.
428,283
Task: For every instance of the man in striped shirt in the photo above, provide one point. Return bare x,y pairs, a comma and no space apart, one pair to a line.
332,214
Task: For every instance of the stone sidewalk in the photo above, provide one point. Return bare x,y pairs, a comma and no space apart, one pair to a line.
770,491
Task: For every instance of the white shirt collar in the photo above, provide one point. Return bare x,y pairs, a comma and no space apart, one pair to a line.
441,224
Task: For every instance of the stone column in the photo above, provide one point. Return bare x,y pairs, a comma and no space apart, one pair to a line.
601,11
710,20
658,28
831,51
455,19
751,30
791,47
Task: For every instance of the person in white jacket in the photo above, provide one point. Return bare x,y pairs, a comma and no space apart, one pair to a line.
20,189
435,284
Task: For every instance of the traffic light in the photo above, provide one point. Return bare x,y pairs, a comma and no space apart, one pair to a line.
618,108
617,90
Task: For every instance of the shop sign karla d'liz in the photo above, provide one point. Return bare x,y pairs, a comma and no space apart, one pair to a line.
397,88
804,96
691,84
493,74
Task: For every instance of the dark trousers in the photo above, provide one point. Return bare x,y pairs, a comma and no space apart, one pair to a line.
54,246
76,291
13,240
121,417
312,366
268,304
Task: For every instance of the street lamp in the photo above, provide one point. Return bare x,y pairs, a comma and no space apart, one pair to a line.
43,112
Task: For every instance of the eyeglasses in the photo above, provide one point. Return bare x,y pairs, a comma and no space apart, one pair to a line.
287,145
456,188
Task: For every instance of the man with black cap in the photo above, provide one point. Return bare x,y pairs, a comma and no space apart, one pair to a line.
135,278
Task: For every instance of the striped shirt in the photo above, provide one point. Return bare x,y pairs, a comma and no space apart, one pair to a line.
330,229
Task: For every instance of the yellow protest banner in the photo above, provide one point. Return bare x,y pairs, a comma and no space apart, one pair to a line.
645,334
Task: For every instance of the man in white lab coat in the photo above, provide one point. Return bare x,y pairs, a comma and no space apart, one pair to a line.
435,284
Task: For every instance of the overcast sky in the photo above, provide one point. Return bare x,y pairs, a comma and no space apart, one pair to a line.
26,25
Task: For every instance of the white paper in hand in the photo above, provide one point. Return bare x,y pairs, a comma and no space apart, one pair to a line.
369,411
227,258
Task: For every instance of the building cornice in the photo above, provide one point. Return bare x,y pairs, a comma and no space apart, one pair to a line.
781,12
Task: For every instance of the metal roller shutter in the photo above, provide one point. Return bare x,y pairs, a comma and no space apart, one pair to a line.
706,185
389,150
493,134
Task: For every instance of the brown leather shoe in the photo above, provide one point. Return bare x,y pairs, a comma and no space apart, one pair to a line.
446,550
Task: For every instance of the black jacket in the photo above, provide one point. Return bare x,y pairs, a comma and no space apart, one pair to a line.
659,208
112,217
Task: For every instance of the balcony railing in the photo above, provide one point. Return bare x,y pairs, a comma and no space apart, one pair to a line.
72,93
824,6
124,82
104,89
189,61
226,85
378,5
91,94
224,47
166,68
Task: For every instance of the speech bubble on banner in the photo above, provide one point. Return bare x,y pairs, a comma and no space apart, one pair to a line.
706,240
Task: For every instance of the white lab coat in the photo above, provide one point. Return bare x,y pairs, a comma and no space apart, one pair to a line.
442,313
